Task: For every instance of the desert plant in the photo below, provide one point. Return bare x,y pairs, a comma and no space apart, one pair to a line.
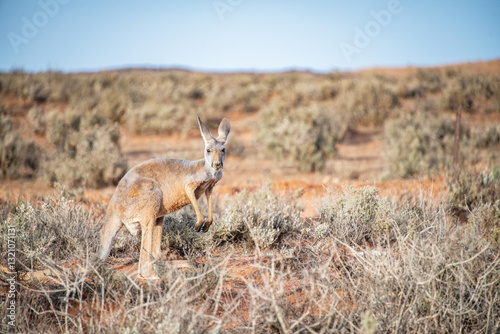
423,82
369,101
38,120
179,234
17,156
355,215
57,230
487,138
260,218
467,91
305,135
87,151
469,190
419,144
485,218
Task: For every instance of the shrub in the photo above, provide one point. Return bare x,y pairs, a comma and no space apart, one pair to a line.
420,84
85,294
179,234
469,190
260,218
468,91
305,135
354,215
38,120
57,230
369,101
87,151
485,219
17,156
487,138
419,144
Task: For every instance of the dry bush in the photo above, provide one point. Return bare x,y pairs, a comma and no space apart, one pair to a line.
179,234
305,135
56,230
259,218
437,277
419,144
154,118
485,219
486,138
17,156
419,85
469,190
38,120
87,151
443,278
357,215
470,91
368,100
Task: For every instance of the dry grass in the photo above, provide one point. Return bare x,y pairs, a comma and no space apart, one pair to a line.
433,276
365,264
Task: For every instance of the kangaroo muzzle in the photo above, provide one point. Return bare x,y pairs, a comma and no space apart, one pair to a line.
218,165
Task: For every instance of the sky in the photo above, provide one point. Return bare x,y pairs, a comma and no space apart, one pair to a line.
245,35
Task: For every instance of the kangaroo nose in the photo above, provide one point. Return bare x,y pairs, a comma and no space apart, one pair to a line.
218,165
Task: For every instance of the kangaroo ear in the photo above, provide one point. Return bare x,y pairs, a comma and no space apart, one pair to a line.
205,133
224,128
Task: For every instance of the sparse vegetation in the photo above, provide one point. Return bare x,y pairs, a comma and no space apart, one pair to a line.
370,100
307,135
260,218
470,92
355,216
17,156
365,263
87,151
433,270
469,190
419,144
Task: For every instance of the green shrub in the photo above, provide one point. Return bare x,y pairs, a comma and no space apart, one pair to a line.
87,151
305,135
419,144
17,156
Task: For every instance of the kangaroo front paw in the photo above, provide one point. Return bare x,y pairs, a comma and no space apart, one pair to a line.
202,227
199,227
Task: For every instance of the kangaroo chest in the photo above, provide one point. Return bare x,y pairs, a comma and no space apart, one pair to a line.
172,203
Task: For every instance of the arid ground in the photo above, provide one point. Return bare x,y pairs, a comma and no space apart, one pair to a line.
340,209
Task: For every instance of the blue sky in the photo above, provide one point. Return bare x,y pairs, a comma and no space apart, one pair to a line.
235,35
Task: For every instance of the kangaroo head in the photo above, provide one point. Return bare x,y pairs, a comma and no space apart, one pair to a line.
215,148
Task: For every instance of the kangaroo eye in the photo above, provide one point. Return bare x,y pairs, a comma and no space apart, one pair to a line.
209,150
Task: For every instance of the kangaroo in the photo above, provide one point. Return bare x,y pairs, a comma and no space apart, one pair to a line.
158,187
